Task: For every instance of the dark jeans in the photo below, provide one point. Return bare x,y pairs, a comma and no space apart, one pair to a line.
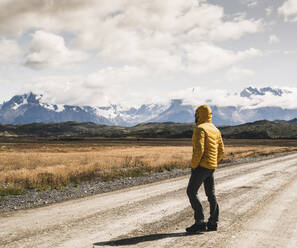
198,176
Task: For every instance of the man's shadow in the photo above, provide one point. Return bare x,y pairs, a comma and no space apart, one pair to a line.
145,238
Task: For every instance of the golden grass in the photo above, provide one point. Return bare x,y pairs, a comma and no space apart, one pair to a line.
52,166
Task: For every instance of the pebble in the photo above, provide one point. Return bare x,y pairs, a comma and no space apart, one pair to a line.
36,198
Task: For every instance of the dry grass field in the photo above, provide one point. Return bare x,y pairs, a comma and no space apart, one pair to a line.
41,165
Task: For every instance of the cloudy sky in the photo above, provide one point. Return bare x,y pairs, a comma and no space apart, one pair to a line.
97,52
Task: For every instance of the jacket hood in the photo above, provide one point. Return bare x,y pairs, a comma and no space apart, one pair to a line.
204,114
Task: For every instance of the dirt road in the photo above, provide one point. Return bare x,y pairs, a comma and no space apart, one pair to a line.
258,204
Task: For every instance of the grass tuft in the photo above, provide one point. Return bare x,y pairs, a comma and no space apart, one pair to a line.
6,191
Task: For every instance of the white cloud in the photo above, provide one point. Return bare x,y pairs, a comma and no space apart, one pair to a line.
73,91
135,41
132,49
273,39
205,57
252,3
3,81
131,32
114,85
113,76
16,17
223,97
289,10
236,73
290,52
268,11
235,30
9,50
49,50
109,85
155,35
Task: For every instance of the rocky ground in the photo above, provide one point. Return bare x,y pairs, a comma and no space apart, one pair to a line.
36,198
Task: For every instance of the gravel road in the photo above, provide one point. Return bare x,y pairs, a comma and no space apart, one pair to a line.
257,201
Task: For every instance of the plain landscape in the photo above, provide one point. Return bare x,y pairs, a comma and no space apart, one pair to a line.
129,190
125,186
257,201
40,164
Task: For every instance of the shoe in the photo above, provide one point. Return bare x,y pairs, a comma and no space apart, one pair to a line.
196,228
212,227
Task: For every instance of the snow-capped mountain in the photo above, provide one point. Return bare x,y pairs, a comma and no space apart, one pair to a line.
250,91
252,106
29,108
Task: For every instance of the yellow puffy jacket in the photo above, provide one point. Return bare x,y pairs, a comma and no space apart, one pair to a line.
208,147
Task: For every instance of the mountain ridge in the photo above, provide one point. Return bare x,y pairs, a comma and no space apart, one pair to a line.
29,108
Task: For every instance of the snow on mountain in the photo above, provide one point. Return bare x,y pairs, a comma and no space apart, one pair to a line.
29,108
53,107
145,113
176,112
107,112
248,92
17,105
250,104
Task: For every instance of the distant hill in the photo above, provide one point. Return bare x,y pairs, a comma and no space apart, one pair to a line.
262,130
256,130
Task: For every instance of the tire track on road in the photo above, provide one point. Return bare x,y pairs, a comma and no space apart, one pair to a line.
237,204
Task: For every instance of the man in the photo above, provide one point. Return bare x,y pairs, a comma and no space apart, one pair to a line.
208,150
